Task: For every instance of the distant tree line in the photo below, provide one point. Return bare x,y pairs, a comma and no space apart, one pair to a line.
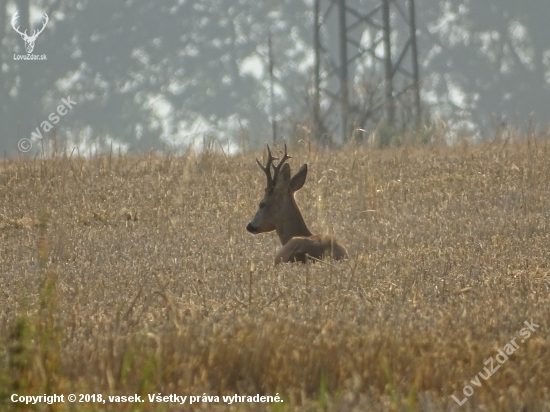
148,74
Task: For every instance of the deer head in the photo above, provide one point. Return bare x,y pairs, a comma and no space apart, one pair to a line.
29,40
278,210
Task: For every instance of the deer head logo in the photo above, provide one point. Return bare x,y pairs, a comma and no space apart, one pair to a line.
29,40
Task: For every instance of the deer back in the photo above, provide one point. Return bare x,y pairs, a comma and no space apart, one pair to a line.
301,248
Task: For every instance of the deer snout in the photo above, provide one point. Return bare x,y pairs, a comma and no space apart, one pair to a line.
252,229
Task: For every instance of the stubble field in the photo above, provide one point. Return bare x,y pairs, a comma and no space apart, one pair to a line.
135,275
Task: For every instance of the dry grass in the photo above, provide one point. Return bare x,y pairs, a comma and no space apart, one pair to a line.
136,275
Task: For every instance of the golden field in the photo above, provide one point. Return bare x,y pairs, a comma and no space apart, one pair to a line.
128,275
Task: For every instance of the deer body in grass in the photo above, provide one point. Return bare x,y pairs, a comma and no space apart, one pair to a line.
278,211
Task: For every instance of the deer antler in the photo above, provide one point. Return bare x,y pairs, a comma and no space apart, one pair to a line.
14,22
267,169
278,167
35,33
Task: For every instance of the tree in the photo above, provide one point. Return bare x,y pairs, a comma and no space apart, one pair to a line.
486,62
140,70
144,73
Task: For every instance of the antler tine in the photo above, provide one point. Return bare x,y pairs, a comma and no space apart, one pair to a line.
46,20
267,167
14,20
278,167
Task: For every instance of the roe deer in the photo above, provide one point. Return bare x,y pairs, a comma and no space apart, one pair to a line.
278,211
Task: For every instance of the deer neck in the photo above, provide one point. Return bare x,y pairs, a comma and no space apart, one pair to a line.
292,225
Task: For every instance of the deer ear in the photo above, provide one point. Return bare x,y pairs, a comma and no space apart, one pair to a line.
284,174
299,178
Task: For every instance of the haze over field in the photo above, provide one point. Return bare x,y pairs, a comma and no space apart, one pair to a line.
148,75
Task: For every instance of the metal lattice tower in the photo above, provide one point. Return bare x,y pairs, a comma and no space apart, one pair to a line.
381,21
